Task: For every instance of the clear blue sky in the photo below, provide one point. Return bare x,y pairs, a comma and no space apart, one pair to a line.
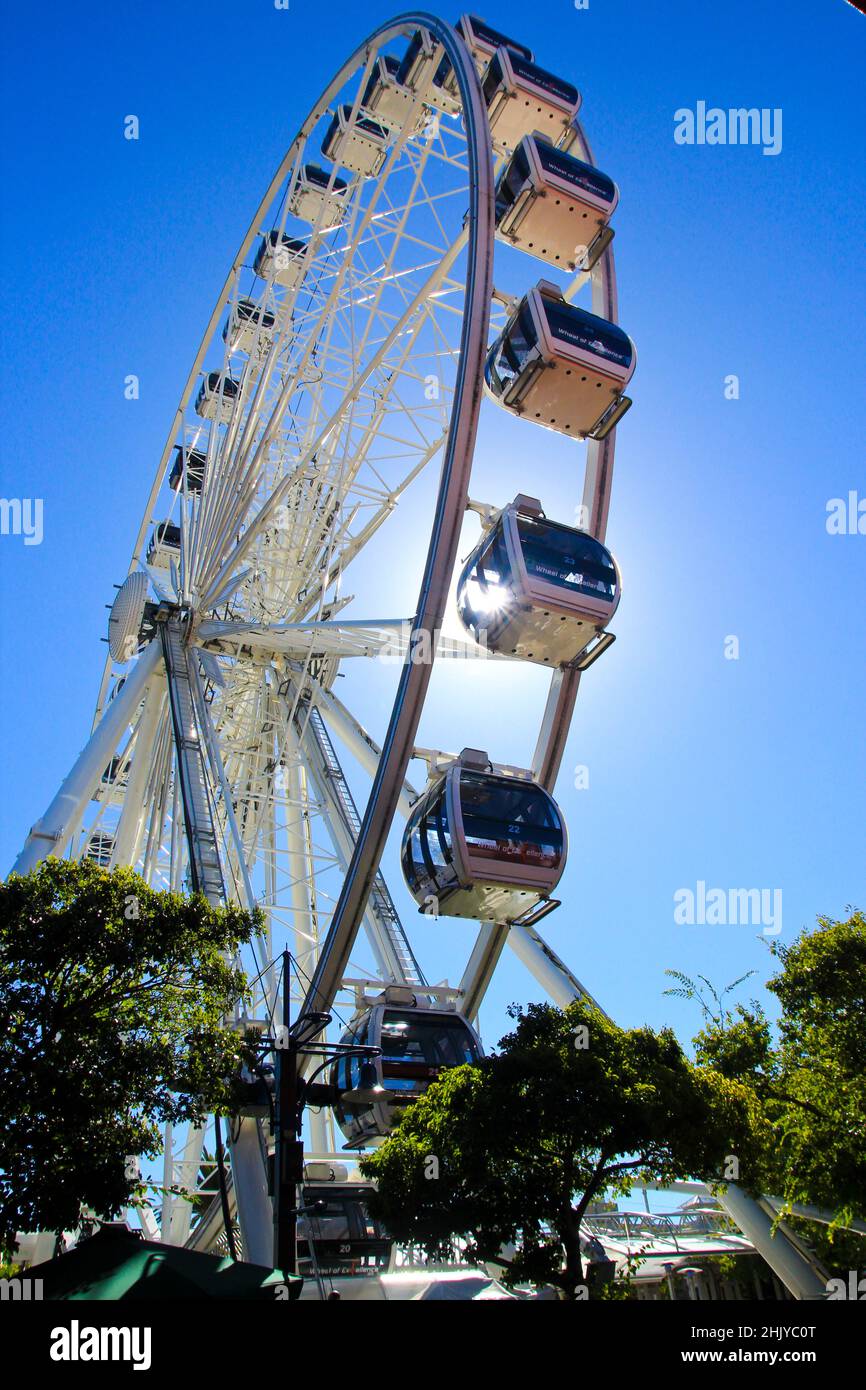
745,773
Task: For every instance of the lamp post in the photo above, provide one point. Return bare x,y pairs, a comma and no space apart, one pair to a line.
292,1093
288,1144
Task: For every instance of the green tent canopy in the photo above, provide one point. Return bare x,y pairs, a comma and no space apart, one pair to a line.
117,1264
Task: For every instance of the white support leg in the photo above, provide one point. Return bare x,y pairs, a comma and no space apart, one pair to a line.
554,976
301,871
181,1208
132,818
255,1209
484,959
49,835
782,1254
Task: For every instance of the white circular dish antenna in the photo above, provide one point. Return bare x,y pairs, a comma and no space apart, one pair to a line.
127,615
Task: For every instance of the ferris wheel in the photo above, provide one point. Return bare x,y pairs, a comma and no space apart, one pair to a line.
344,363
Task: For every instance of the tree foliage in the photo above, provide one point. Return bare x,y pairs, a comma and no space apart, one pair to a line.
810,1078
508,1154
715,1012
113,997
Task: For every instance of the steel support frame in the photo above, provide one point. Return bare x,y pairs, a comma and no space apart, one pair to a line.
50,833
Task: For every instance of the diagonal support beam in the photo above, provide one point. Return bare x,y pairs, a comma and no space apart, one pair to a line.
50,833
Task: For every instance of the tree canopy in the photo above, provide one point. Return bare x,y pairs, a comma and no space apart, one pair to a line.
809,1072
507,1155
114,997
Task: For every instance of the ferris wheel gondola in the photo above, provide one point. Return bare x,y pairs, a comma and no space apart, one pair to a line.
483,42
280,258
416,1041
484,845
164,546
554,206
217,397
99,849
356,142
249,326
522,98
319,197
535,589
336,1232
424,68
557,365
187,469
387,98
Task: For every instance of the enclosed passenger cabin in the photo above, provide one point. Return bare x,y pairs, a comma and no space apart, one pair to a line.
484,844
216,397
111,775
164,545
482,42
425,71
189,462
417,1041
360,144
554,206
535,589
387,98
522,98
100,848
560,366
281,258
336,1233
316,192
249,327
113,779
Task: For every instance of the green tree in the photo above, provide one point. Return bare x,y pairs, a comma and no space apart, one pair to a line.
508,1154
809,1072
113,997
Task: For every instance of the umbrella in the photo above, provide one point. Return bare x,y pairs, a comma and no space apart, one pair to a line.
117,1264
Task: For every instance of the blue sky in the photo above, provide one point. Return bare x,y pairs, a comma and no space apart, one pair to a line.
745,773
